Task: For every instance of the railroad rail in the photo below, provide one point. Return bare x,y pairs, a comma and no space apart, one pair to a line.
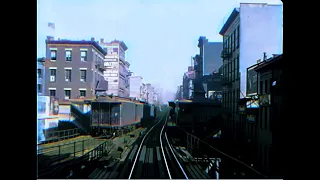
154,156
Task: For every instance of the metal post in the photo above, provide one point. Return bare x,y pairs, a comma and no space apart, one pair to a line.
74,150
59,154
99,116
83,147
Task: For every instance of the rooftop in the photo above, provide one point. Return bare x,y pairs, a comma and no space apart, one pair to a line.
231,18
121,43
83,42
269,62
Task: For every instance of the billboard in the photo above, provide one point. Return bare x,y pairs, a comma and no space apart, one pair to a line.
242,109
253,103
54,106
252,81
51,123
251,118
43,105
265,100
242,106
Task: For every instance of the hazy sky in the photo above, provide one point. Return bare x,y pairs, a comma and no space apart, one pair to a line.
161,35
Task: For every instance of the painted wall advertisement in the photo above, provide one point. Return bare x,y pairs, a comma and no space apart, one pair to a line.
252,81
54,106
251,118
265,100
43,105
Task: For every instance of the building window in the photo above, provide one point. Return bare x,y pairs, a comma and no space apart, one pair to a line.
52,93
67,94
261,87
53,73
82,93
39,88
83,75
238,63
232,39
266,90
68,75
261,116
68,55
229,44
53,55
83,55
266,117
238,36
39,73
235,101
266,157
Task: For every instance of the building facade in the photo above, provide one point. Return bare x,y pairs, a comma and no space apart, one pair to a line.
242,46
185,86
117,71
213,85
74,69
187,83
150,93
136,86
40,76
210,52
269,140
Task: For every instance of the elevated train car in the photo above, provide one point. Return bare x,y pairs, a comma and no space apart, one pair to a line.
197,116
110,116
191,113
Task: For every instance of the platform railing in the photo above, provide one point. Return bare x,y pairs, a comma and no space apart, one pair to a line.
229,167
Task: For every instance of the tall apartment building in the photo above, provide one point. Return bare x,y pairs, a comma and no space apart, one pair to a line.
74,69
150,93
136,87
40,76
211,55
250,30
187,83
116,68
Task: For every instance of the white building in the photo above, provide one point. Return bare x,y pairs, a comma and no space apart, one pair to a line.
264,35
40,77
250,30
148,93
116,68
136,87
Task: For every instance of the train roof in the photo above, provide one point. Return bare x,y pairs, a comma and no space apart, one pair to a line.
104,100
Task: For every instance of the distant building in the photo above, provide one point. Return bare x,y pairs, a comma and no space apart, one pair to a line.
40,76
185,86
211,55
117,71
187,83
74,69
136,87
213,85
150,93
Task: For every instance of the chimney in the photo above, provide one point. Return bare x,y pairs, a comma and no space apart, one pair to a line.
264,56
92,39
101,40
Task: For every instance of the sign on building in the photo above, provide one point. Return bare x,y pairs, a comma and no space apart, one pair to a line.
252,81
